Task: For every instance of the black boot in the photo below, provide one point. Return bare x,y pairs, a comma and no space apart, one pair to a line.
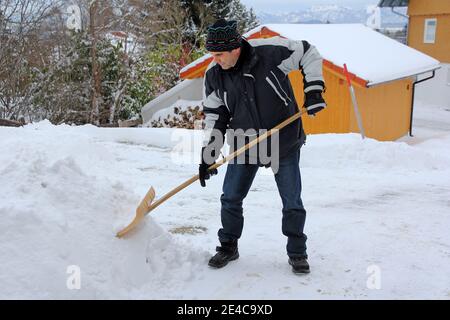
299,265
225,253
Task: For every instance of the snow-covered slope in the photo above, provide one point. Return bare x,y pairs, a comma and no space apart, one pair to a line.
374,209
332,14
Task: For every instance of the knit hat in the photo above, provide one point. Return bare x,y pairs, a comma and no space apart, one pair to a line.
223,36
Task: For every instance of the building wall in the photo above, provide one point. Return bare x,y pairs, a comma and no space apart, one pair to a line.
439,50
425,7
335,118
385,109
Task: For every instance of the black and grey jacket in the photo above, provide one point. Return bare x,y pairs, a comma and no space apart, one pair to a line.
257,94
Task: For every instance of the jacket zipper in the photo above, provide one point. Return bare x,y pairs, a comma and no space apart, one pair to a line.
276,91
249,75
226,102
285,94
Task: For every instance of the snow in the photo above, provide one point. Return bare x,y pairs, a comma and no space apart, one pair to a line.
374,208
436,90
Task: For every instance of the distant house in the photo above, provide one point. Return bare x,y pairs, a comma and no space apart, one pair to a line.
429,32
383,72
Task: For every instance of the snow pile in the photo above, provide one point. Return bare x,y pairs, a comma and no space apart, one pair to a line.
55,213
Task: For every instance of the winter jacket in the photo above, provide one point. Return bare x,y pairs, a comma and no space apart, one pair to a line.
256,93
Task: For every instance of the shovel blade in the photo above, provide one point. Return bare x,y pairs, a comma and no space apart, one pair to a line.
141,211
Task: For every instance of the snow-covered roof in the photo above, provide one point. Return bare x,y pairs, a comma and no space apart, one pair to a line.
368,54
393,3
194,63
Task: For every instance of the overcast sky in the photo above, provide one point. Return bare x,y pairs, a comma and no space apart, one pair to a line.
293,5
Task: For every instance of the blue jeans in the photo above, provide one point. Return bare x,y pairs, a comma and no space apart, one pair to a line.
237,183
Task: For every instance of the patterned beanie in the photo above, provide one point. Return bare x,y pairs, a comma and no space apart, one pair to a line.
223,36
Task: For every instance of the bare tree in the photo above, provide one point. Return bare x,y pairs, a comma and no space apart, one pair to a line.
102,17
48,70
20,51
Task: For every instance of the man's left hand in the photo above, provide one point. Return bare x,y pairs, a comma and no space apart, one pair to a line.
314,102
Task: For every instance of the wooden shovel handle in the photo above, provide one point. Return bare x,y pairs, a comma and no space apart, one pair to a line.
228,158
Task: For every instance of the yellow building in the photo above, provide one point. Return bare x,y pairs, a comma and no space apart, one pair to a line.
382,70
429,27
429,32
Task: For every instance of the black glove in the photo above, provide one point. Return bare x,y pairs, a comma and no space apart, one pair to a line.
203,172
314,102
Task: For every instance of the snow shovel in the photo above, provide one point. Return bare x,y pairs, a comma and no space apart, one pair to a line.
147,203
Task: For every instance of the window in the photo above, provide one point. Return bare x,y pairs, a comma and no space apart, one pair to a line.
430,31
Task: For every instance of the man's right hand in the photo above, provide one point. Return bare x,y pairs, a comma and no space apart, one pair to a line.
204,173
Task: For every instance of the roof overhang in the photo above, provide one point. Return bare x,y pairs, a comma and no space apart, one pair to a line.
417,73
393,3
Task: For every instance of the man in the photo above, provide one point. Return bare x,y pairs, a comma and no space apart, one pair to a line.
247,87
